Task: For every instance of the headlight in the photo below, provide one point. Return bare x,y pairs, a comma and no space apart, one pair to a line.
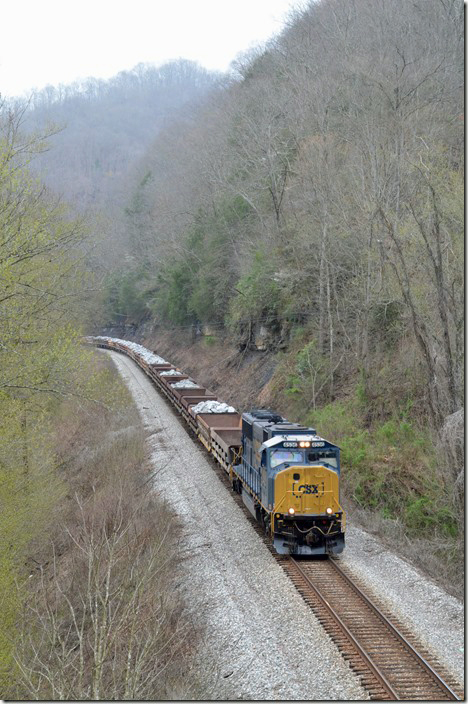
292,512
329,511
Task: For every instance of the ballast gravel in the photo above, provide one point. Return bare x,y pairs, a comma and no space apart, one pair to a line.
262,642
144,352
212,407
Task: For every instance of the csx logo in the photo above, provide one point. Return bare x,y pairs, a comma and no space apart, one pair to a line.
309,489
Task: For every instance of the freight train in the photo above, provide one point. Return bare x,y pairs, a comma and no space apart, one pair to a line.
287,475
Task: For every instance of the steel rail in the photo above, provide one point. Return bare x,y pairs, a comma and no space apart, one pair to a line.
421,661
385,684
376,670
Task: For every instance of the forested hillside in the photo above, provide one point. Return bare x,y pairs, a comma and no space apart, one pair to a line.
103,127
314,208
73,470
322,188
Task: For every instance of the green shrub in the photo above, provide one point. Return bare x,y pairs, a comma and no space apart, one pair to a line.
389,468
337,421
258,294
126,296
423,515
171,299
356,449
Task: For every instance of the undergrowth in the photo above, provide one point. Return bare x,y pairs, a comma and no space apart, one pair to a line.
390,473
101,618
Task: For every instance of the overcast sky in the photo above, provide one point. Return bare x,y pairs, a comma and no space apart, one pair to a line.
58,41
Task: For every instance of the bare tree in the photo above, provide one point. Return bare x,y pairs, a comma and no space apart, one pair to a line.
114,630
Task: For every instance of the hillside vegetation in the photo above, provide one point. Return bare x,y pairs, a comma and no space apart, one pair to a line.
313,207
99,617
322,189
87,606
40,250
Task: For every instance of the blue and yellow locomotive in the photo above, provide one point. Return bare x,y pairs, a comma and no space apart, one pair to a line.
289,480
288,476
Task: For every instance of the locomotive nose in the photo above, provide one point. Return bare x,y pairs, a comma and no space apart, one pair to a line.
307,518
307,490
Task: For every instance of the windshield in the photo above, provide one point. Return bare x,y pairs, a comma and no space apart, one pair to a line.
277,457
325,456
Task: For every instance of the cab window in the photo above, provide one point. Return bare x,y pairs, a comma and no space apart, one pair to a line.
277,457
325,456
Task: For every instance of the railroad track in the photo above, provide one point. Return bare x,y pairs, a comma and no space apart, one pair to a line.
378,650
390,662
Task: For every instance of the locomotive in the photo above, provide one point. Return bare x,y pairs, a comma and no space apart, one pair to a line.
287,475
289,480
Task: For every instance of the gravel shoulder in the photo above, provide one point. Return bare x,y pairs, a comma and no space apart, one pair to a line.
261,641
433,615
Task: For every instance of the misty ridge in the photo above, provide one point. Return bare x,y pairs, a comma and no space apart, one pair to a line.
101,127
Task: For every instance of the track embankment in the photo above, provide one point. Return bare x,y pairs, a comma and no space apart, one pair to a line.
262,642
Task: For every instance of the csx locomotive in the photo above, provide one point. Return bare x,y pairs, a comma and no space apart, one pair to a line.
289,480
288,475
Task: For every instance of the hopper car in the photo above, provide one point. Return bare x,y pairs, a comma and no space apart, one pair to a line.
287,474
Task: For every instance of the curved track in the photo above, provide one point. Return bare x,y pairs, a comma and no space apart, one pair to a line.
378,649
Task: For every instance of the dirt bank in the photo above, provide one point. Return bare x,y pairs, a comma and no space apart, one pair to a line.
242,378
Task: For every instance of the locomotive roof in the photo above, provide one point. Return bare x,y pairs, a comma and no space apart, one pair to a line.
278,439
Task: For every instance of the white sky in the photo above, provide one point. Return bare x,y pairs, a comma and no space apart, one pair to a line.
58,41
